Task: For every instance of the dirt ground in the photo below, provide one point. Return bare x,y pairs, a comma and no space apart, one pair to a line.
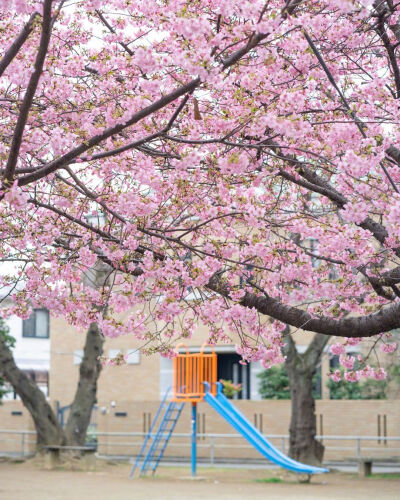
28,481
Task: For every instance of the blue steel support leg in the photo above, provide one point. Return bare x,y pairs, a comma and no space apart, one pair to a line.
194,439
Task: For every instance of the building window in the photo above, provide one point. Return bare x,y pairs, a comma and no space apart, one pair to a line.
247,278
78,356
37,325
229,368
113,353
315,261
133,357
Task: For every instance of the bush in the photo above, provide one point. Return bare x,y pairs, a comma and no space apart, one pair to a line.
10,342
368,389
230,389
274,383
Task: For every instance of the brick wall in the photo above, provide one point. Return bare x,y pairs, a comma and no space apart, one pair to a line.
339,418
14,416
129,382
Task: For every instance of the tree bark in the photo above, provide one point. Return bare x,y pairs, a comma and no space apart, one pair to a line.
86,393
384,320
301,368
48,430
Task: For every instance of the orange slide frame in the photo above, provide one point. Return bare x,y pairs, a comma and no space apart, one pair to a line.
190,370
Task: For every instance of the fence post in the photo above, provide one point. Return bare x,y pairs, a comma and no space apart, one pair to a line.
23,444
358,447
212,450
283,445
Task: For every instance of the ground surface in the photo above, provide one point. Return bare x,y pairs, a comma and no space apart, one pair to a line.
28,481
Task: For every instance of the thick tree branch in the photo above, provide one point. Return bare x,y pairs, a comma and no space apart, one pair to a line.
47,427
315,349
18,43
388,278
369,325
29,94
394,153
140,142
68,158
319,185
390,52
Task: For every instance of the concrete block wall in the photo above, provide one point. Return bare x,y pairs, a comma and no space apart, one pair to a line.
14,416
338,418
129,382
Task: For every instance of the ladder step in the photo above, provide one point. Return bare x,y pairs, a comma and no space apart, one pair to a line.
161,438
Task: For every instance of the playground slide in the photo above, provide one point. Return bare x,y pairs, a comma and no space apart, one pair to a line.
232,415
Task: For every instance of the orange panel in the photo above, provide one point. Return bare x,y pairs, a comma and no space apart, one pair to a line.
190,371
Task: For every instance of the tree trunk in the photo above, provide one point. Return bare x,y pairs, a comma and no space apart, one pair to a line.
48,430
303,445
301,368
86,393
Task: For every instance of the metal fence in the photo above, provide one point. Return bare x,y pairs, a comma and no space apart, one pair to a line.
22,443
17,443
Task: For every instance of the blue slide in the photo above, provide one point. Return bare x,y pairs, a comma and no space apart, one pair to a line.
238,421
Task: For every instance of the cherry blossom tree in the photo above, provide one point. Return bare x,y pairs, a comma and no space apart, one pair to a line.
236,163
49,432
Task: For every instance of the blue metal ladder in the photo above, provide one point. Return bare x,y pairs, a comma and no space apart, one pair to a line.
155,444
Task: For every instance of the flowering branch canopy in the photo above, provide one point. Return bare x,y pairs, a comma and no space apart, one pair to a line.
234,163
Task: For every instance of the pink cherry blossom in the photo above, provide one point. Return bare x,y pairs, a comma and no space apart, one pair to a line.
352,376
336,376
229,164
380,374
347,361
388,348
337,349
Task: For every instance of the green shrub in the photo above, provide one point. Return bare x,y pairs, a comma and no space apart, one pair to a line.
229,388
368,389
274,383
10,342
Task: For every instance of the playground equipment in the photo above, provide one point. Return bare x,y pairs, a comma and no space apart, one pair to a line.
194,380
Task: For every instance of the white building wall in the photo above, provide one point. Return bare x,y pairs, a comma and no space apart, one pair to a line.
166,376
255,369
29,353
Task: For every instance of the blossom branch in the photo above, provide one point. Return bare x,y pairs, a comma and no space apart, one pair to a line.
29,94
16,46
143,113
